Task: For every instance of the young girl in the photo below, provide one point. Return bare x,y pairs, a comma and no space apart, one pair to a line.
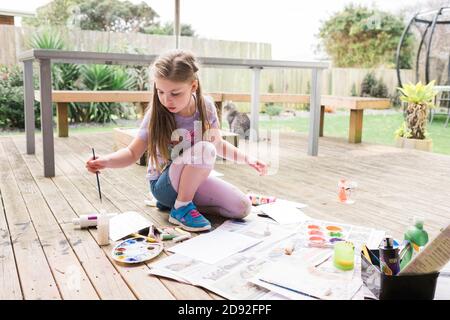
181,134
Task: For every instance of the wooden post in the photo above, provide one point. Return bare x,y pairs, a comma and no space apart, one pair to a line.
356,123
322,119
62,119
45,81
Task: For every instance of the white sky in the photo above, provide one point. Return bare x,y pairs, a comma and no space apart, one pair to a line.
289,25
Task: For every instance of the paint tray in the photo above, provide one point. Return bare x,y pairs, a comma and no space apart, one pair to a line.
324,235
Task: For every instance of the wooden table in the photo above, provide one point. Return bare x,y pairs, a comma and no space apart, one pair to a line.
46,56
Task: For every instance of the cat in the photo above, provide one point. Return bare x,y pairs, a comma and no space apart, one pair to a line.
239,122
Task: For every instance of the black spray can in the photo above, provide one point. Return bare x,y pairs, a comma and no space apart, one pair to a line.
389,257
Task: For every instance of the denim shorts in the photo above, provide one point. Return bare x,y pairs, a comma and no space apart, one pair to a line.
162,189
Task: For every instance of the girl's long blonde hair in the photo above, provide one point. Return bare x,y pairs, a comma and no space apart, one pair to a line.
176,66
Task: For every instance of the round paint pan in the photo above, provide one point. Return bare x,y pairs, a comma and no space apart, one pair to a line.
316,241
334,228
136,250
314,232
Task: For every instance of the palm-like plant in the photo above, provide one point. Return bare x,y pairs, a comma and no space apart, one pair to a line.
419,98
103,77
47,39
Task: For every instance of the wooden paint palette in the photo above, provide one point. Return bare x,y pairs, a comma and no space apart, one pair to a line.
136,250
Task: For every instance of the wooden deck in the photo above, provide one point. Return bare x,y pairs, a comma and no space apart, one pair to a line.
43,257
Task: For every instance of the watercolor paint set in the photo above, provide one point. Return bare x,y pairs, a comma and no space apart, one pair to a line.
136,250
324,235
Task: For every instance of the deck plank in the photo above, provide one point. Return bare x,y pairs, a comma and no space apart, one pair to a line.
70,277
36,277
63,198
9,278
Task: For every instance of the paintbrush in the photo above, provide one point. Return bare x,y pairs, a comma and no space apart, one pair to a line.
98,180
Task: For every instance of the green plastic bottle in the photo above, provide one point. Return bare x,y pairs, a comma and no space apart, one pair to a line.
418,238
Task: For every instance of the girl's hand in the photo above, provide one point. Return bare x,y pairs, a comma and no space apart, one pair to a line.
96,165
259,165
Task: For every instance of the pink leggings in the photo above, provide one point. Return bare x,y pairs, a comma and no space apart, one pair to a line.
213,196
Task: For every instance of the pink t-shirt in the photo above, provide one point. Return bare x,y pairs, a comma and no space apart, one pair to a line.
186,126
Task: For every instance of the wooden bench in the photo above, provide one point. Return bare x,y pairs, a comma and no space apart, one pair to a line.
356,105
62,98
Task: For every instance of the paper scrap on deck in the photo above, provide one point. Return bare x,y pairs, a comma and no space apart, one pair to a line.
214,246
284,211
127,223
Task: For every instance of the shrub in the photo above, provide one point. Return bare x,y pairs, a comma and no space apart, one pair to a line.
371,87
12,114
273,110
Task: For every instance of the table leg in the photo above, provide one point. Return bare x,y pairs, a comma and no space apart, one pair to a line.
314,113
47,117
254,114
29,105
356,124
63,119
322,119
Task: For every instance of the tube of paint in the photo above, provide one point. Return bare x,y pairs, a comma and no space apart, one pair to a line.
103,230
389,257
88,220
181,238
167,236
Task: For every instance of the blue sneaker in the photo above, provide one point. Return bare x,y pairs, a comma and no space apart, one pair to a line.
188,218
162,207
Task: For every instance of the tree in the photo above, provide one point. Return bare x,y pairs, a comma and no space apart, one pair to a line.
167,29
115,15
55,13
363,37
104,15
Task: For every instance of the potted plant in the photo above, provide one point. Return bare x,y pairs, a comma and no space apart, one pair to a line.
413,133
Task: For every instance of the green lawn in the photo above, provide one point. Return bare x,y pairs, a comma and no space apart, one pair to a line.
376,128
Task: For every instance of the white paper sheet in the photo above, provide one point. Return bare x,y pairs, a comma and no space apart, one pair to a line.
125,224
214,246
284,211
310,281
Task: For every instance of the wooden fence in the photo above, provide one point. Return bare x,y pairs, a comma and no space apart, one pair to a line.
335,81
